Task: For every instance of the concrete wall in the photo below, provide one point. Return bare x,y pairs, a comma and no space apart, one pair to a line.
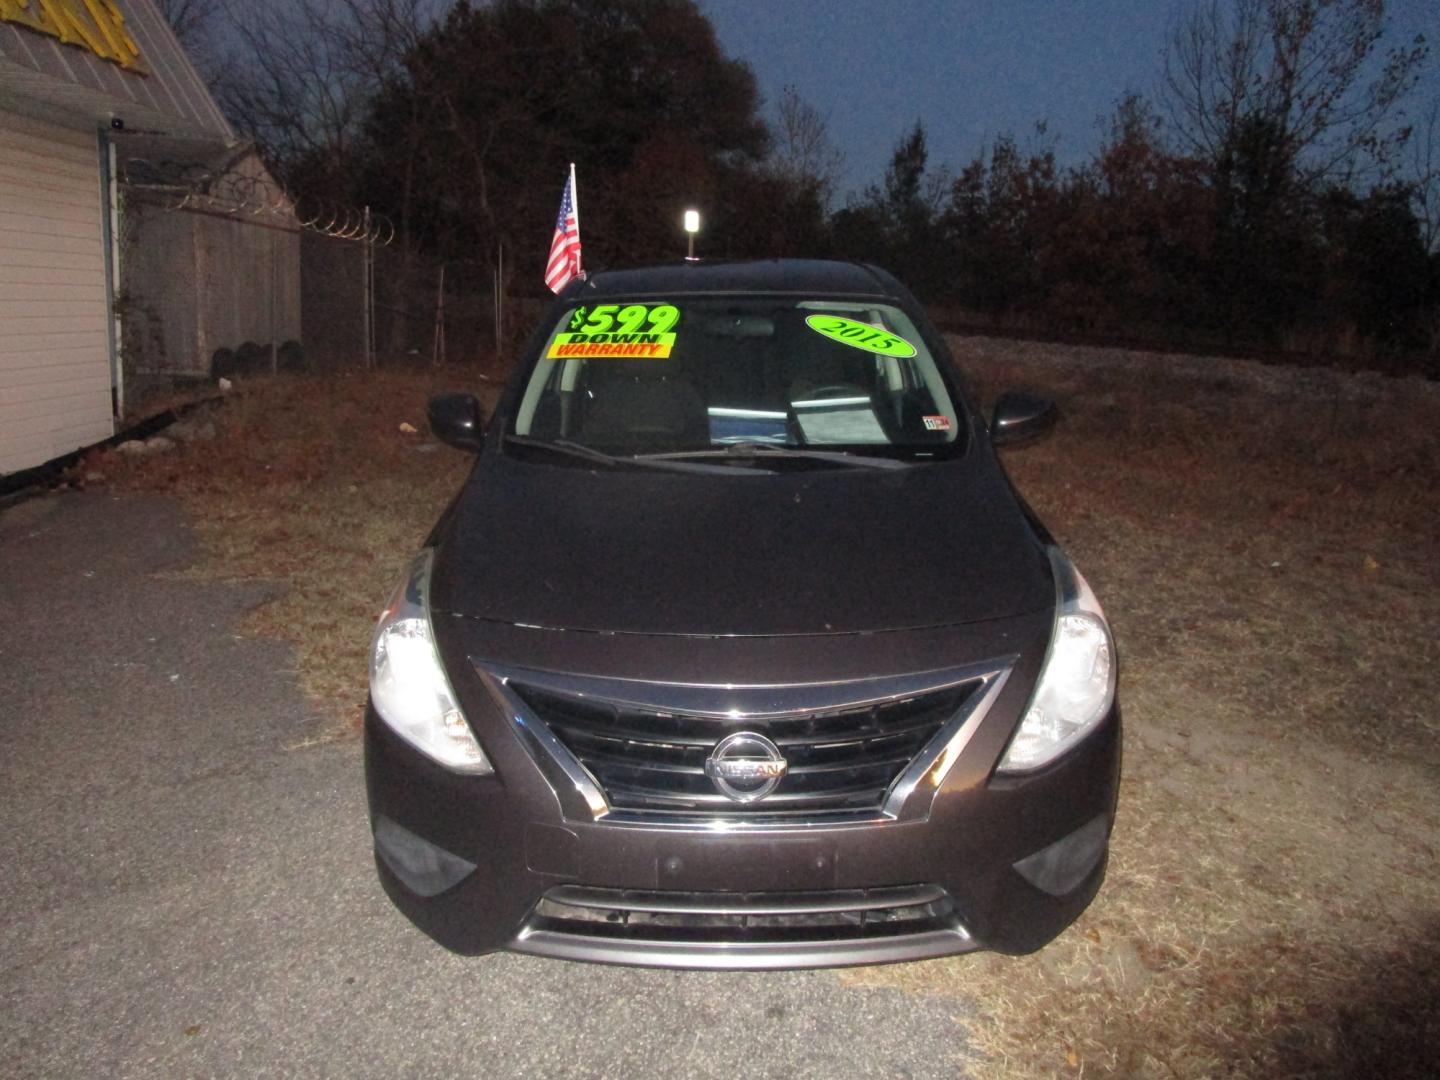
248,284
199,280
158,291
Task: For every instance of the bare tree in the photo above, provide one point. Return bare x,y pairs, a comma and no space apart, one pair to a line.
1424,178
299,77
192,21
1308,71
803,152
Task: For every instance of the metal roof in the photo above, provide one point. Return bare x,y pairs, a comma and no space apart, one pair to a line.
42,76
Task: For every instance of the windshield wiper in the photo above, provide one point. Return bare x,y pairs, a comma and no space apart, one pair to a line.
642,461
761,451
565,446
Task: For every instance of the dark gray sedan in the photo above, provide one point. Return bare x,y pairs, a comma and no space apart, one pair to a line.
738,650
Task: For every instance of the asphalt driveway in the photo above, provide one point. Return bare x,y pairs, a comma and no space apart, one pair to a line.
187,886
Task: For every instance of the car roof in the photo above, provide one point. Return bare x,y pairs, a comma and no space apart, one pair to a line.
811,276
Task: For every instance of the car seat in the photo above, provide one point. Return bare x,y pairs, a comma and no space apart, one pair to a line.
638,402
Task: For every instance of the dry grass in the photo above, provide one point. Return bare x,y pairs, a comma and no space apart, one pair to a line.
1265,542
312,484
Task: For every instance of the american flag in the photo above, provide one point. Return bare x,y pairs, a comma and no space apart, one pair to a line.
564,261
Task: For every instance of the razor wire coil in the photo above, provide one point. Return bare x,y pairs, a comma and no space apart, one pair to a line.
177,186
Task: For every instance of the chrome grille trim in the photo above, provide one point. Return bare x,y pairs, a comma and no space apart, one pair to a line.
908,797
744,930
740,904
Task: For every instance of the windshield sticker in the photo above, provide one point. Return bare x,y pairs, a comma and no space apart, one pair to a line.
634,332
631,319
839,420
937,423
860,335
629,346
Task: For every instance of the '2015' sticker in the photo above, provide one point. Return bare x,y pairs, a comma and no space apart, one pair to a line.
860,335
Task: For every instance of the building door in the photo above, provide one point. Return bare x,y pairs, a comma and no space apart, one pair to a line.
55,378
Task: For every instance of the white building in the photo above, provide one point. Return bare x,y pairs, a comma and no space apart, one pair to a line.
89,88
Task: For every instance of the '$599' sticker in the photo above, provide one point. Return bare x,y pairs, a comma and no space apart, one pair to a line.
630,319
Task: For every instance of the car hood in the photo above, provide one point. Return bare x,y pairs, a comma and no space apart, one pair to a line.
628,550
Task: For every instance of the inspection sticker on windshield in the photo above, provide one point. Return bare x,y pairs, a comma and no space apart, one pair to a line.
936,423
860,335
636,331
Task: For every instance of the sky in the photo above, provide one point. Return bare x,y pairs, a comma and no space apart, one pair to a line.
968,70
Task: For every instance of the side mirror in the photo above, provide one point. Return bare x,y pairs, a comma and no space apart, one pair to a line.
1021,417
458,420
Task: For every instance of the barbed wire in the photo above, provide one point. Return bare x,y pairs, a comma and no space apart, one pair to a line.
178,185
347,223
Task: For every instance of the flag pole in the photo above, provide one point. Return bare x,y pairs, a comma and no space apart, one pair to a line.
575,209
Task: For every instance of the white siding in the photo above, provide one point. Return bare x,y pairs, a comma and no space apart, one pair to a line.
54,321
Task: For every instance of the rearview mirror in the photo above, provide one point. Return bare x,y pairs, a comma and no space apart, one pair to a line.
1021,417
458,419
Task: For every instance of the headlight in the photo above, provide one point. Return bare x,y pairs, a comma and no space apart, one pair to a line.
408,686
1077,684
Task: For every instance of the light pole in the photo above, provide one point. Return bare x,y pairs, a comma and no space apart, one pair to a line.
692,226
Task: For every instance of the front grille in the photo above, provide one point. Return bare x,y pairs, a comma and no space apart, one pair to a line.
840,760
743,918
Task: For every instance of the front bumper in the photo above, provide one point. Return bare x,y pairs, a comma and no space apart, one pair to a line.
744,930
495,862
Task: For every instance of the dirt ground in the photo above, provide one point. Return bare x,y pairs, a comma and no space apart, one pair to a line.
1266,542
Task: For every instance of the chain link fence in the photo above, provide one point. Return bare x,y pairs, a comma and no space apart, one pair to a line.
367,304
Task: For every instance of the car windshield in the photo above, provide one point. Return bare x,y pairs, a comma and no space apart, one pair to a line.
743,378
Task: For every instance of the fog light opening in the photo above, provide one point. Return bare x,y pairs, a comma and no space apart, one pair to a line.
421,866
1061,867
